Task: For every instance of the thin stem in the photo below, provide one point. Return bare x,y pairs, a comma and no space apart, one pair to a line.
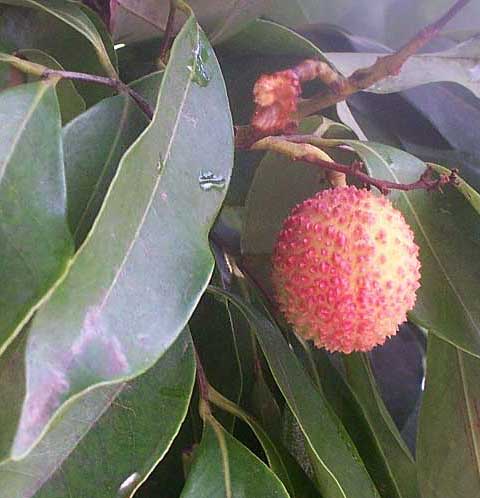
388,65
168,35
298,148
117,85
267,120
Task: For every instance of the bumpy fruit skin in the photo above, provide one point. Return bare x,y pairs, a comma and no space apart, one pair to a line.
346,269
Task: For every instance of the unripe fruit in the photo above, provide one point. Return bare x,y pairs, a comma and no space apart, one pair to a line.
346,269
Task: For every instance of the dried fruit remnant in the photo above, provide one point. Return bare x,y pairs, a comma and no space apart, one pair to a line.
276,97
346,269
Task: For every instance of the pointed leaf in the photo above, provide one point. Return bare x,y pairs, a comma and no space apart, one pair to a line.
35,244
223,467
73,15
448,447
340,471
279,460
138,276
112,438
94,143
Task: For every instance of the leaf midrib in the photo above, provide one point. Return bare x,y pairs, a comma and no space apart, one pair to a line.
222,444
155,187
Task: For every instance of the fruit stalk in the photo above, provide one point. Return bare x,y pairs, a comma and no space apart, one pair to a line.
308,153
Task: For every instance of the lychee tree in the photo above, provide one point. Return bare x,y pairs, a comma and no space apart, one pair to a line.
239,249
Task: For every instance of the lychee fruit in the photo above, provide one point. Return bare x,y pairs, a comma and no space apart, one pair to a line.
346,269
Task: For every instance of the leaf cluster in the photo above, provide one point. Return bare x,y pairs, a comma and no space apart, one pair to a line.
135,256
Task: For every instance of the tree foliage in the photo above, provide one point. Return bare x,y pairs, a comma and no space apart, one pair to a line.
141,349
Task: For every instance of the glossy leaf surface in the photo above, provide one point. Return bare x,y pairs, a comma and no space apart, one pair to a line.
35,243
109,441
396,455
25,28
340,471
448,447
94,143
71,102
279,460
293,182
72,14
135,20
223,467
390,21
267,38
139,275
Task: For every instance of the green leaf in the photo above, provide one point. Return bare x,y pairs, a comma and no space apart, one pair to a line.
458,64
71,102
470,194
279,460
72,14
448,447
223,341
138,276
396,455
267,38
299,12
446,228
339,469
112,436
6,70
94,143
35,244
293,181
26,28
134,21
349,409
224,468
264,406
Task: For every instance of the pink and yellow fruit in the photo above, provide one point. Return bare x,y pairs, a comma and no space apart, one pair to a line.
346,269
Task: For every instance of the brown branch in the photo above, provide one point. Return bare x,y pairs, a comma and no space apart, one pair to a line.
388,65
278,108
117,85
168,35
311,154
